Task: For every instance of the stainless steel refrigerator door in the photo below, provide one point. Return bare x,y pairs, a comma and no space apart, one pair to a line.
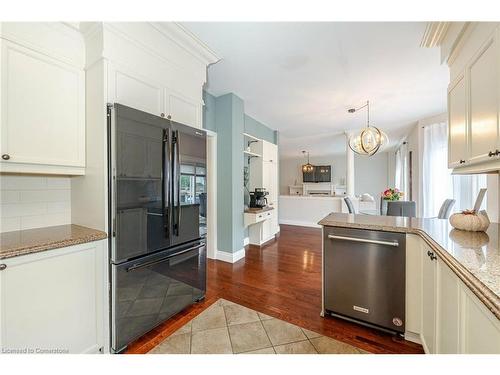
364,276
189,194
148,291
141,169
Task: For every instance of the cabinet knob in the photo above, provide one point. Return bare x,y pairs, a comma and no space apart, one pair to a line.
429,253
433,257
2,267
491,153
169,117
162,114
5,156
462,161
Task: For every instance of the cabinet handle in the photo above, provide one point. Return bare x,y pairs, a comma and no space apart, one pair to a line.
497,152
3,266
429,253
433,257
462,161
5,156
491,153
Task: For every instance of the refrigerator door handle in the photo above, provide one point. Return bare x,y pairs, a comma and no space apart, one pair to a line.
177,183
137,266
165,194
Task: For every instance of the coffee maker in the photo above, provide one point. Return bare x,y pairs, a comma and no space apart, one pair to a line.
258,198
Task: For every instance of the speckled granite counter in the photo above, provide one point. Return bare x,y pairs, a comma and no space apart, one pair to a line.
473,256
30,241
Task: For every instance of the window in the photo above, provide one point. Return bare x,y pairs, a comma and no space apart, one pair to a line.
438,183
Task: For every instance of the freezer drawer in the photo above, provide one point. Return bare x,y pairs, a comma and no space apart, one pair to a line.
151,289
364,276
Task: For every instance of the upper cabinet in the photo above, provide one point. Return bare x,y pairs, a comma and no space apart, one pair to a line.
483,102
473,98
457,120
43,100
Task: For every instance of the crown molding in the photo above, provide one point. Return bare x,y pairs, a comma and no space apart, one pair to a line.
434,34
187,40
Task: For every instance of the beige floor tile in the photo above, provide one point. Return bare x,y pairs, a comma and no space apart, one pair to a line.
301,347
264,316
212,317
177,344
236,314
281,332
224,302
326,345
248,336
211,341
269,350
186,328
311,334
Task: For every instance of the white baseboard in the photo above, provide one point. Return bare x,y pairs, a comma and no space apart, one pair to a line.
231,257
300,223
246,241
413,337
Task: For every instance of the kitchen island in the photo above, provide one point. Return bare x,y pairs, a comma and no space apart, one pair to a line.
452,281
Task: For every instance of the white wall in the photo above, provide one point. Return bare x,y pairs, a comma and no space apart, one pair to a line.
28,202
370,173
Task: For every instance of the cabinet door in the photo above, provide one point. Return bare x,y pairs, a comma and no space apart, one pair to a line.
42,110
483,121
448,310
269,151
183,110
55,300
428,302
134,90
270,181
457,128
480,329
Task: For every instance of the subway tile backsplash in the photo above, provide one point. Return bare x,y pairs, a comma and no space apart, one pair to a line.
28,202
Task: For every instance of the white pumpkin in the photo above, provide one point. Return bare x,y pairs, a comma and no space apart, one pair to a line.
470,221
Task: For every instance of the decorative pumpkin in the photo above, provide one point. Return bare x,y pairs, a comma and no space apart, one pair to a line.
470,221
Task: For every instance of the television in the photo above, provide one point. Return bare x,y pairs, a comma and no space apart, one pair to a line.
320,173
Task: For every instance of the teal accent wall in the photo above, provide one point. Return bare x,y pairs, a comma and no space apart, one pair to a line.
226,116
209,112
229,117
259,130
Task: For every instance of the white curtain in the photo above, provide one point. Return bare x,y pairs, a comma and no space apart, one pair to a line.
437,182
402,169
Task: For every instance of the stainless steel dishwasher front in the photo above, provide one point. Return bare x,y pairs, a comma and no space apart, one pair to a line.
364,276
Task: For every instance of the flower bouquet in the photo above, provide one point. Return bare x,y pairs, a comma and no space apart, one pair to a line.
392,194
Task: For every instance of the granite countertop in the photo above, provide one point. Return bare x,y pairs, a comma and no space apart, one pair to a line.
473,256
258,210
30,241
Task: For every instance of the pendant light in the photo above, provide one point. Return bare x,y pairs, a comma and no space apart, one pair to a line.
370,139
307,168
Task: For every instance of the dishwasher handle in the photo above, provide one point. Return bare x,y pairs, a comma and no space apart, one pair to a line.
364,240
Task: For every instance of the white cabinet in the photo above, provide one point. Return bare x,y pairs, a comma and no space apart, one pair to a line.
269,151
428,301
483,102
42,113
447,309
56,299
184,110
473,101
457,123
441,311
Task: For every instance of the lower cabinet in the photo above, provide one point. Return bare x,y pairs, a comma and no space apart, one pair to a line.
55,301
452,319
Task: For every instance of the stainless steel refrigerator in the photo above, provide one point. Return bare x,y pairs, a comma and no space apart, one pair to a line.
157,220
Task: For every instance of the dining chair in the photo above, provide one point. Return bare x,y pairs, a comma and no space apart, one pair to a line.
445,210
350,205
401,208
383,206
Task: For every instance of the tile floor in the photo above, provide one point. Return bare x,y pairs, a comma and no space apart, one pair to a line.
228,328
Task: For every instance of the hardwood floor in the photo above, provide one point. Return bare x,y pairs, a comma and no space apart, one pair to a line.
282,279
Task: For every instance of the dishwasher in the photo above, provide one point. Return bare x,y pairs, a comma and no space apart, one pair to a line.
364,277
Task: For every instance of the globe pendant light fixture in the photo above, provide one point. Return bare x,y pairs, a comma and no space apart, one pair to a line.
307,168
370,139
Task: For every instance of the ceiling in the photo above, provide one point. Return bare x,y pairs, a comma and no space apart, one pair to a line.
300,78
